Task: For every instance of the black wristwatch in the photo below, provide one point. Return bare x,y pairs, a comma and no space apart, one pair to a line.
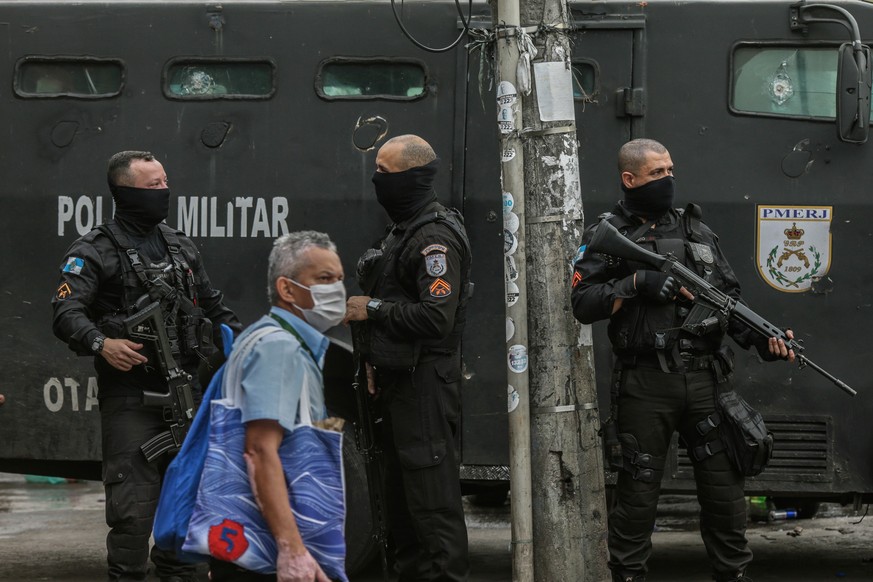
373,307
97,344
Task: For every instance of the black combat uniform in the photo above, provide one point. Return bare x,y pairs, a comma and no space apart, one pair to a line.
422,278
98,288
665,380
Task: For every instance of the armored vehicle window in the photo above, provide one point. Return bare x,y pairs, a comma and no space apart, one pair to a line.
366,78
585,80
71,77
786,81
208,79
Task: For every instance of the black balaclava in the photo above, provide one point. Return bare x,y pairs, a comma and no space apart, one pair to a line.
402,194
139,210
651,200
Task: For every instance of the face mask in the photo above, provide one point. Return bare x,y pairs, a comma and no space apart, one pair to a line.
142,207
402,194
651,200
330,305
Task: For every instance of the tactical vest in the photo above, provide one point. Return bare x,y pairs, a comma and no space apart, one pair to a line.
645,328
188,329
381,279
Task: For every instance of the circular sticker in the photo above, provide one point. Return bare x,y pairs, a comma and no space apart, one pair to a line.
512,397
506,93
510,328
511,222
512,293
510,243
517,358
510,271
507,154
508,202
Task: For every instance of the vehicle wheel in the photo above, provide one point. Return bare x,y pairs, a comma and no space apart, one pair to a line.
361,547
805,508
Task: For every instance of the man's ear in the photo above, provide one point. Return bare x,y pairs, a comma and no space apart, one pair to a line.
627,178
285,290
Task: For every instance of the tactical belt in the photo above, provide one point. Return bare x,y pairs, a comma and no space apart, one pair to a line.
690,362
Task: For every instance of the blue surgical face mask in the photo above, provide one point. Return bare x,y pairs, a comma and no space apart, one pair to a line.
329,305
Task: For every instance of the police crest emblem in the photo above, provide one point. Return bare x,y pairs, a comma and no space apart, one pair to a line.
436,264
794,245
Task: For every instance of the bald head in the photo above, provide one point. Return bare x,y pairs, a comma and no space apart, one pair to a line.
400,153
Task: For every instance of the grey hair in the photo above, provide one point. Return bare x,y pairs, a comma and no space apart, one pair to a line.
118,172
288,258
632,155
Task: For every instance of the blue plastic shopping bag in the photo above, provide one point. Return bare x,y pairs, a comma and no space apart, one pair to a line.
179,489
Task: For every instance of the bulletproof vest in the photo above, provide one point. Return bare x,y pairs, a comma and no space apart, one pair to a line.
643,327
380,276
184,321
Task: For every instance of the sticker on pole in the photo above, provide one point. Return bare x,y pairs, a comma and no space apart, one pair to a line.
508,202
511,222
517,358
510,271
506,119
510,328
507,154
506,93
794,245
510,243
512,397
512,293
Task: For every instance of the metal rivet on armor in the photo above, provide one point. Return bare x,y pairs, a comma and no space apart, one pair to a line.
436,458
120,475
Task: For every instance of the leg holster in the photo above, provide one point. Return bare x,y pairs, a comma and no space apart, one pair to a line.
702,448
641,466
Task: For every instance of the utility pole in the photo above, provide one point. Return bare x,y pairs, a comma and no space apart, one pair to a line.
509,119
550,358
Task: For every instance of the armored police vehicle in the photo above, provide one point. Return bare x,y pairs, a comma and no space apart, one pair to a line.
266,114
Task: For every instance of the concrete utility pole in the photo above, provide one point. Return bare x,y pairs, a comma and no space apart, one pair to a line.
568,507
512,177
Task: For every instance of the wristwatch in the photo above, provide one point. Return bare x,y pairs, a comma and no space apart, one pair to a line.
373,307
97,344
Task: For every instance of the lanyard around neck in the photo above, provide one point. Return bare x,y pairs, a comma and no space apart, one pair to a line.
288,327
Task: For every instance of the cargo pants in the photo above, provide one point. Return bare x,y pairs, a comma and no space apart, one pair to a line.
652,405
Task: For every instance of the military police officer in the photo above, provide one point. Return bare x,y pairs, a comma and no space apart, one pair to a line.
665,379
417,284
107,275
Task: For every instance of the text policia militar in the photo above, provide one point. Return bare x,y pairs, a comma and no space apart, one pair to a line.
196,216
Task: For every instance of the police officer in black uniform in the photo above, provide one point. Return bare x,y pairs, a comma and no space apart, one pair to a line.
417,284
665,379
103,275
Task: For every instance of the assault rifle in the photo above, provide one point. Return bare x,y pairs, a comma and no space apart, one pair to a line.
367,445
711,306
148,324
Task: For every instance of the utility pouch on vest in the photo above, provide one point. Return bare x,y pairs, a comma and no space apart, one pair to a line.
746,440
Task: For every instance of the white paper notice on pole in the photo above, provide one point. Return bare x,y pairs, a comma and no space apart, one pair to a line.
554,84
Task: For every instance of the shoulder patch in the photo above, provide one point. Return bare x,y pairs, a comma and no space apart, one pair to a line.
74,265
436,264
64,290
577,278
440,288
433,248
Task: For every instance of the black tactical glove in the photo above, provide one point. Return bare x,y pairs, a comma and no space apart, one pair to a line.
656,286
